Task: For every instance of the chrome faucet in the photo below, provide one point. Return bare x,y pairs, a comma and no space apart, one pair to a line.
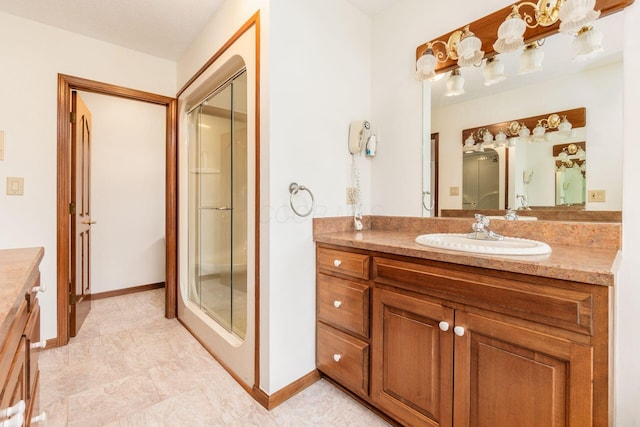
481,229
511,215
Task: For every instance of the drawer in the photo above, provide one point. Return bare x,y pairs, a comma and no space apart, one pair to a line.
343,358
32,332
567,308
343,262
14,387
344,304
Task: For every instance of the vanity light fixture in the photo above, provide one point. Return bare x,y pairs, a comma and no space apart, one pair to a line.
468,49
574,17
462,46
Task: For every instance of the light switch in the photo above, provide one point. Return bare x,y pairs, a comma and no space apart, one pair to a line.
1,145
454,191
15,186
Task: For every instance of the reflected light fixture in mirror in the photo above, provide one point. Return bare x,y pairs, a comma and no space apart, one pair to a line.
455,83
587,44
493,71
531,59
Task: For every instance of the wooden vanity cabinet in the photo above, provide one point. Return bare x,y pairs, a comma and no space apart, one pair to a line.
19,374
452,345
342,311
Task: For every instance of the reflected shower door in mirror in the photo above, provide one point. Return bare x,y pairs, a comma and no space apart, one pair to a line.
562,84
481,180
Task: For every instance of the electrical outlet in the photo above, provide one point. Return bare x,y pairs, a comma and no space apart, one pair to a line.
351,195
454,191
15,186
596,195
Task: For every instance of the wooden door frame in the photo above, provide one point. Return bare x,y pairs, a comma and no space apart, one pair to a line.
66,84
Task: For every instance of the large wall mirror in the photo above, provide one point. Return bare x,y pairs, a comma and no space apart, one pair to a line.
562,84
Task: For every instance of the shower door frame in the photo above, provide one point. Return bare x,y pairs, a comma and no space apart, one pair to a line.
253,22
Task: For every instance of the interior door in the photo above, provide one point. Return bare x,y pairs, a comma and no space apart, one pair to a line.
80,285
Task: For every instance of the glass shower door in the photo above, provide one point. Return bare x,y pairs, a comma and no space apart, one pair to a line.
218,207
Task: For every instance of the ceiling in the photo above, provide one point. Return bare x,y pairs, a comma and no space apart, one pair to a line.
162,28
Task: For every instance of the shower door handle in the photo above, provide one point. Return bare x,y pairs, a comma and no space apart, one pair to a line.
218,208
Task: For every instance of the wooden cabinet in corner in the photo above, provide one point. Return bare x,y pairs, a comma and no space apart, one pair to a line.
19,333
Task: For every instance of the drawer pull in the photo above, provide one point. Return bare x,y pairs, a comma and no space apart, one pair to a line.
40,418
458,330
337,303
337,357
337,262
39,344
16,421
444,326
40,288
18,408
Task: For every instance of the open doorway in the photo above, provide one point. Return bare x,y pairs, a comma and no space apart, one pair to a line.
66,84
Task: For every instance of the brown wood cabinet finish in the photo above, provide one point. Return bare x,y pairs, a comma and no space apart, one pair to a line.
19,374
454,345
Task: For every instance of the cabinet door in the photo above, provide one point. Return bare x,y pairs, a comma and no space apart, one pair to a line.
508,375
412,359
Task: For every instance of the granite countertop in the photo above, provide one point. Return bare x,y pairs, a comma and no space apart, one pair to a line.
18,268
588,259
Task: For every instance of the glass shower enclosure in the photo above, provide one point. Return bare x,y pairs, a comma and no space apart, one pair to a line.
217,205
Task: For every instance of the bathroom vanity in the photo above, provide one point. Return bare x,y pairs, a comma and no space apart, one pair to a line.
440,338
19,334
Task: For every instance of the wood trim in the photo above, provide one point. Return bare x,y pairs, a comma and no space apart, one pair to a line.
486,29
127,291
66,84
253,21
280,396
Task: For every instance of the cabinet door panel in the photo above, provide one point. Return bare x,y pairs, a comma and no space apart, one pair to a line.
507,375
411,359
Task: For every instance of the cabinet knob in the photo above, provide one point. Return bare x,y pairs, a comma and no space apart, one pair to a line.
458,330
40,288
337,303
40,418
40,344
337,262
16,421
337,357
18,408
444,326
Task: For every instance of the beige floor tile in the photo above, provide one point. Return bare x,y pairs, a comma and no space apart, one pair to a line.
131,367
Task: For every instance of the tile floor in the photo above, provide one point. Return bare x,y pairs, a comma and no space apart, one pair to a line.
129,367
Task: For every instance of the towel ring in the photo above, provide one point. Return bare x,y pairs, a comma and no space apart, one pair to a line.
294,188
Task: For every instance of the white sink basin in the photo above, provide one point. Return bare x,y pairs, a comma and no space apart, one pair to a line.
462,243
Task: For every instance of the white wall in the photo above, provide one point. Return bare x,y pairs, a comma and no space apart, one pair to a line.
397,32
127,192
627,346
320,60
32,56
